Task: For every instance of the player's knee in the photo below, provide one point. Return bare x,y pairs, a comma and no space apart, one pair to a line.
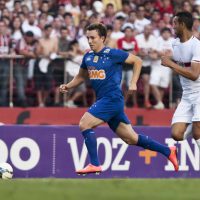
177,135
129,141
82,125
196,130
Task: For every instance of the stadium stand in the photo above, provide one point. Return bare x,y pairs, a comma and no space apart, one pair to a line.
21,16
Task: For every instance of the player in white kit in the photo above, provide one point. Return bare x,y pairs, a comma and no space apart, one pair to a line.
186,62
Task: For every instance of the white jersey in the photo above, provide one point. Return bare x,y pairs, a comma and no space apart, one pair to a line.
183,54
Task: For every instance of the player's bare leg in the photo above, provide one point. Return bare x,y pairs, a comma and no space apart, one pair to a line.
128,135
87,123
181,131
196,132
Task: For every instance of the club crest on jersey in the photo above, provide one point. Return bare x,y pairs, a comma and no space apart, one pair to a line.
97,74
96,58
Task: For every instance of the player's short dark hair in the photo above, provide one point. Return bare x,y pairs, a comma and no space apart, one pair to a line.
185,18
99,27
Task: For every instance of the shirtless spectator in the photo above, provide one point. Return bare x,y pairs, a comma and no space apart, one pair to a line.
46,48
59,64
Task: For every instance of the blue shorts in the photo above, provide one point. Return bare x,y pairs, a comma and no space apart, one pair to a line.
110,110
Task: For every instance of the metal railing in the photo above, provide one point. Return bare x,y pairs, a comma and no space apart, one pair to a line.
13,56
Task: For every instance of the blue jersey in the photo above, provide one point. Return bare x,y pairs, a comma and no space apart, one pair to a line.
105,71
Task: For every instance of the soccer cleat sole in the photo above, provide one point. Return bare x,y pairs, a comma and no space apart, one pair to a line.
176,170
84,174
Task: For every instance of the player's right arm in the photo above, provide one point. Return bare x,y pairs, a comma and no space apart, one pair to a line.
191,73
77,80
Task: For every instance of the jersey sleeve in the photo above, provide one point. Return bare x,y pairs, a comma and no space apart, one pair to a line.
196,54
83,64
119,56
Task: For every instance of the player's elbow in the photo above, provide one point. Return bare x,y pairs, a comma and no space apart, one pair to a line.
137,61
194,77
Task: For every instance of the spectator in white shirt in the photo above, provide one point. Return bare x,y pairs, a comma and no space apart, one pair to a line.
31,25
141,21
146,42
117,33
160,76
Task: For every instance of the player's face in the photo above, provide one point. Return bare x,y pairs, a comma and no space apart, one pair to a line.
177,27
95,41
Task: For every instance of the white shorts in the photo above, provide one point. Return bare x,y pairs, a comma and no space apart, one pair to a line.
160,76
188,109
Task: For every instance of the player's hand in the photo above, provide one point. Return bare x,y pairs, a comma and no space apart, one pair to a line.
63,88
132,88
166,61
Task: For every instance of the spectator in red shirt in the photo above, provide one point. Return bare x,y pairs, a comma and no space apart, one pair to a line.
164,6
129,44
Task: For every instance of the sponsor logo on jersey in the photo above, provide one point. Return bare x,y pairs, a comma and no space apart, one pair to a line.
96,58
95,74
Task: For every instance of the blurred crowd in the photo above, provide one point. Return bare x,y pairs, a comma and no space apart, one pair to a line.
50,35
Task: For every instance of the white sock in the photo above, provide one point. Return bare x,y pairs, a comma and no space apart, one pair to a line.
188,132
198,143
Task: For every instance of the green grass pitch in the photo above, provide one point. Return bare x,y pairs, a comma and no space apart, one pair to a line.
99,189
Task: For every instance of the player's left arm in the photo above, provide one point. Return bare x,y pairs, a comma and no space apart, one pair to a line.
137,65
191,72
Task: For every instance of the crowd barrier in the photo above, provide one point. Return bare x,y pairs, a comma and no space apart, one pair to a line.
12,57
72,116
57,151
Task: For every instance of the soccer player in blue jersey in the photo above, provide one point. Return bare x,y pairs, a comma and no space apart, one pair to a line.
103,66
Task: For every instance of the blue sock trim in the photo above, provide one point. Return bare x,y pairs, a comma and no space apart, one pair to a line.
148,143
86,132
91,144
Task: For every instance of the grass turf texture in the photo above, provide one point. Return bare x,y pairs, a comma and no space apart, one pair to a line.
98,189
